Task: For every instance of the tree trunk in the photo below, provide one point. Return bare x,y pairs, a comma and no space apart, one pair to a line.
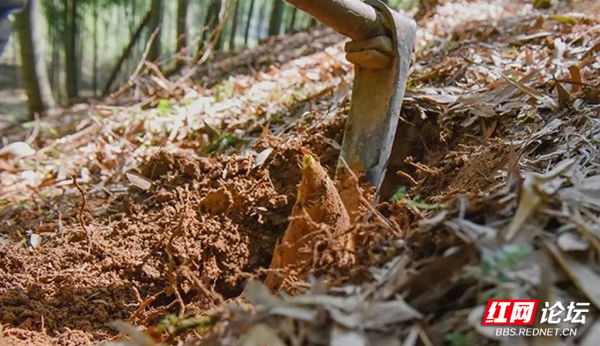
6,6
29,25
126,52
276,18
261,16
248,22
211,23
293,20
182,13
234,25
95,45
56,62
5,32
71,68
156,14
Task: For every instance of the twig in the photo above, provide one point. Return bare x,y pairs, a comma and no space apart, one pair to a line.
421,167
172,275
144,58
36,129
70,140
407,177
139,67
208,292
200,60
37,193
143,305
152,314
83,206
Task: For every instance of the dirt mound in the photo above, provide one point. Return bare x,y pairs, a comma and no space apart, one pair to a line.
183,245
210,216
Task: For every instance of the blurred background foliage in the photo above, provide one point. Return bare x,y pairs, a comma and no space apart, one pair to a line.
92,46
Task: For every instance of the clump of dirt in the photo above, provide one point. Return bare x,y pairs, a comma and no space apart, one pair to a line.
62,287
481,167
464,168
133,254
211,215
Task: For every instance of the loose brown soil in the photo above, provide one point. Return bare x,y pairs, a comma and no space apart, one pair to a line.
183,246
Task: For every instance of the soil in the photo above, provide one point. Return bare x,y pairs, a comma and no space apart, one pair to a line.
188,243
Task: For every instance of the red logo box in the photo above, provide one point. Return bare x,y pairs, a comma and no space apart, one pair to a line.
510,312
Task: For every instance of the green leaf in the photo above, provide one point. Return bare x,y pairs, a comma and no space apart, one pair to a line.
456,339
499,263
563,19
163,106
399,194
413,203
542,4
224,141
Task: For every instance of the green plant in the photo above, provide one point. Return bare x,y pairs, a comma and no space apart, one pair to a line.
175,326
163,106
499,263
456,339
224,90
223,141
413,203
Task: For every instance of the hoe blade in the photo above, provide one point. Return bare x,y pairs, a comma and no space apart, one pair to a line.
377,96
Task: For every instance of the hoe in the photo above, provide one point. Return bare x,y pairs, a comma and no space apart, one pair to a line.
381,47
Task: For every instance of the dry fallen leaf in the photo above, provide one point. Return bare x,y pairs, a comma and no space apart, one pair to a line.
569,241
533,185
260,334
137,337
16,150
138,180
582,275
344,337
586,192
35,240
592,336
262,157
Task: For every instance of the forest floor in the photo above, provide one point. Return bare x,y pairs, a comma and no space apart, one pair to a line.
162,208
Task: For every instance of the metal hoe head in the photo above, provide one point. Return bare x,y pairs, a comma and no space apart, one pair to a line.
381,51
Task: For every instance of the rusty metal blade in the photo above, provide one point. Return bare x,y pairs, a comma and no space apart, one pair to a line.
376,102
